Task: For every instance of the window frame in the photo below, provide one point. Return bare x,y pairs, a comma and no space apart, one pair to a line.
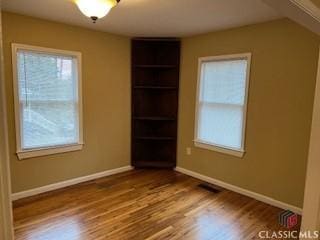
44,151
216,147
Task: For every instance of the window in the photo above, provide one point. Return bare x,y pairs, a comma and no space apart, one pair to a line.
48,103
221,103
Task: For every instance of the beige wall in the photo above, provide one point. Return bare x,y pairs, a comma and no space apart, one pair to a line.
316,2
282,82
106,100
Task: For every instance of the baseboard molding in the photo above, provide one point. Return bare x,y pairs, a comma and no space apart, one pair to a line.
242,191
67,183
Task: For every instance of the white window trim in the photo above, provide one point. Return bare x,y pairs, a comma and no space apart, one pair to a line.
37,152
211,146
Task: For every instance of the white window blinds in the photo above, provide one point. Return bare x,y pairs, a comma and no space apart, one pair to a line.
221,102
48,99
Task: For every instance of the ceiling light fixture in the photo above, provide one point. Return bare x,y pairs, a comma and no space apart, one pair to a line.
96,9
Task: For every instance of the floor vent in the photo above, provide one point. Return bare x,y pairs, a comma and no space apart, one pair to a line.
210,187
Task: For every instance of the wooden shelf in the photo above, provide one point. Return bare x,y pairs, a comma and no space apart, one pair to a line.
156,138
164,39
154,163
154,118
156,87
155,84
155,66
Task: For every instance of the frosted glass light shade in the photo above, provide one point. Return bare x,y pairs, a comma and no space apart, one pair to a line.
95,8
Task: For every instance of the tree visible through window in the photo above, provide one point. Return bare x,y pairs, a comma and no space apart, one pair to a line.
48,99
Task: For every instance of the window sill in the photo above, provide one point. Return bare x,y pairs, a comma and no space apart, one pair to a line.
24,154
229,151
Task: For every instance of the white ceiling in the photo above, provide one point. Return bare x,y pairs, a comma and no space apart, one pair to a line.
304,12
170,18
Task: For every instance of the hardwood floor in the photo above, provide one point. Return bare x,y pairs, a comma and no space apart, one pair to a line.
142,204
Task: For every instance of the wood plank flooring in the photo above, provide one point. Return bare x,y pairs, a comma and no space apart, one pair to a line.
142,204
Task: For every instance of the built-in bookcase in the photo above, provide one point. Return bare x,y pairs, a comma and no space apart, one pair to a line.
155,88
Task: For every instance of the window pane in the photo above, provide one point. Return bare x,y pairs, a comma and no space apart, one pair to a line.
48,99
221,103
224,81
221,125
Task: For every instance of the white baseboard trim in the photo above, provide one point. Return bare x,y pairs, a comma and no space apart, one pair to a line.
242,191
67,183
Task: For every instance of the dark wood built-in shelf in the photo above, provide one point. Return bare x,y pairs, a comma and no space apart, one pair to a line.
155,87
152,164
156,138
155,66
154,118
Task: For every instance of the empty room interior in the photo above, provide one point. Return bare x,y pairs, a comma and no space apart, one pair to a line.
157,119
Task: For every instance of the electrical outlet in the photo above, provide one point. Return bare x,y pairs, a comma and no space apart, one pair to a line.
188,150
